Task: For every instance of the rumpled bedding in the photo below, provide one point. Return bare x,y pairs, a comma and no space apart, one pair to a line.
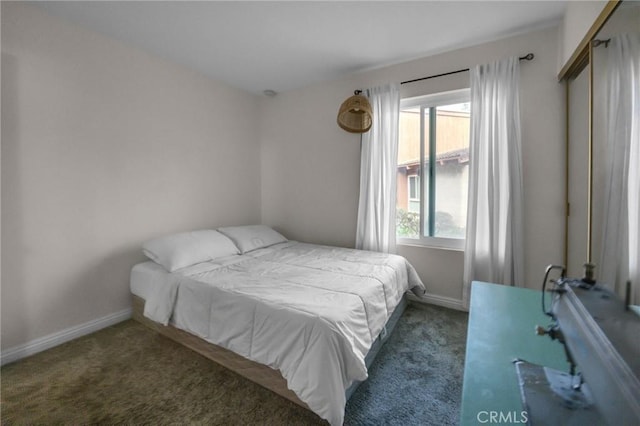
310,311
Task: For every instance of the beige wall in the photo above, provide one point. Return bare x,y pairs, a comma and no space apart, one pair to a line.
310,167
578,18
103,147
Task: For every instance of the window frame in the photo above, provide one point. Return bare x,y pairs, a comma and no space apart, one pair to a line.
425,102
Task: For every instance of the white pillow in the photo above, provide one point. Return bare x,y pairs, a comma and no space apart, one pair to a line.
252,237
184,249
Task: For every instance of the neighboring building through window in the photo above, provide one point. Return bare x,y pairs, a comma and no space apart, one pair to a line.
431,202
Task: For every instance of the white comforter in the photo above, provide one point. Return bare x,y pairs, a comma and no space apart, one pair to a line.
310,311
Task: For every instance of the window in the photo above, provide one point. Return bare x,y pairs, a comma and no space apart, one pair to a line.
414,194
431,205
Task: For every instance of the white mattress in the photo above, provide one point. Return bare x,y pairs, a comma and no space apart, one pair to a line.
310,311
143,276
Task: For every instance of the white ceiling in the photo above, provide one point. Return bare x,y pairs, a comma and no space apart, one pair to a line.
290,44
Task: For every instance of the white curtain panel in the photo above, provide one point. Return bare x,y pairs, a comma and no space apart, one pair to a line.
376,229
620,257
494,240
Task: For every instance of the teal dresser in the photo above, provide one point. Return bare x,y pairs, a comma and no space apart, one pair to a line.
501,328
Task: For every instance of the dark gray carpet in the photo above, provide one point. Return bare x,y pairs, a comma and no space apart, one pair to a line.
127,374
417,376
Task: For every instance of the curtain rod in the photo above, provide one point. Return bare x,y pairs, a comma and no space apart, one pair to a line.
528,57
597,42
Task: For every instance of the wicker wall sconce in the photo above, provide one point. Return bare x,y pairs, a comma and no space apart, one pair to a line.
355,114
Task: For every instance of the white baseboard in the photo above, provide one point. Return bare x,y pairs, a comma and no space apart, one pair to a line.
60,337
434,299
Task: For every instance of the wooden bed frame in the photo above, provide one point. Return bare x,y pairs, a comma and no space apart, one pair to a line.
258,373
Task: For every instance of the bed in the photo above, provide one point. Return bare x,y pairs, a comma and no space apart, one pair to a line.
302,320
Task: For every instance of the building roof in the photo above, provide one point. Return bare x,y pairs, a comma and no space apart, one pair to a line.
460,156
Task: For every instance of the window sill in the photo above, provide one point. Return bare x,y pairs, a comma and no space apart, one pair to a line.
433,243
